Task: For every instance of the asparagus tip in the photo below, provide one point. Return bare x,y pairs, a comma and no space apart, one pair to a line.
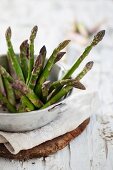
38,61
89,65
43,50
98,37
8,33
33,32
66,42
79,85
63,44
24,44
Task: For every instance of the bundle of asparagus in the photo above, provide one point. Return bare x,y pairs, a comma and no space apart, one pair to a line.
25,87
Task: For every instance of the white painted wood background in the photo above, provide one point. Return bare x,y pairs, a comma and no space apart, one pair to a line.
93,150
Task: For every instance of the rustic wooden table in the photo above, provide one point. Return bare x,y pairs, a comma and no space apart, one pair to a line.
94,148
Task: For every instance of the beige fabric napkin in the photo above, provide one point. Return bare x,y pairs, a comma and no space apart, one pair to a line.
79,107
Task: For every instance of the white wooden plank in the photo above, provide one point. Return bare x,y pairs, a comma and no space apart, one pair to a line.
79,153
34,164
90,150
58,161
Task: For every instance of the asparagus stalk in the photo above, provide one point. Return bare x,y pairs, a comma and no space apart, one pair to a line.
26,105
23,58
49,66
31,51
9,92
10,66
87,68
14,59
59,56
12,72
60,83
21,86
5,101
97,38
63,92
36,71
45,90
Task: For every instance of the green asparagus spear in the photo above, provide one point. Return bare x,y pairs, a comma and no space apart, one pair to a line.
31,51
12,73
59,83
45,90
23,58
23,88
87,68
62,93
39,64
14,59
36,71
9,92
5,101
97,38
10,66
25,105
49,66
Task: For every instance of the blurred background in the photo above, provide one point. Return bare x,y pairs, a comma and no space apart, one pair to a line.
57,20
